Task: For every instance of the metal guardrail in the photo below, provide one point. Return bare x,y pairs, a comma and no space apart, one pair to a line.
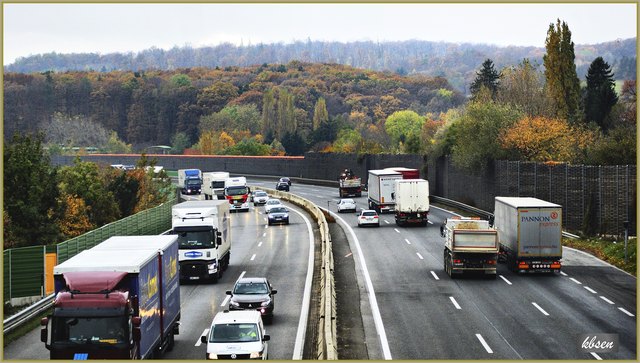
17,320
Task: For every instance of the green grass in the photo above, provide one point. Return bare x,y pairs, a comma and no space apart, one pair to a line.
608,250
172,173
23,330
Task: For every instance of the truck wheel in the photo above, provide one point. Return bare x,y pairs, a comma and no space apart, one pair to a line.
172,341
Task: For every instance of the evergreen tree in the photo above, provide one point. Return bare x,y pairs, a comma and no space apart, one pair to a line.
600,95
31,192
563,85
486,77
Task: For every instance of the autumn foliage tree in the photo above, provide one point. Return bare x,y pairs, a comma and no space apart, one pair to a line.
545,139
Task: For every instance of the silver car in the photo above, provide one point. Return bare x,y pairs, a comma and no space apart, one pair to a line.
260,197
346,205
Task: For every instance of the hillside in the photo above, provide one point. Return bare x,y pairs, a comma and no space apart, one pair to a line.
151,107
456,62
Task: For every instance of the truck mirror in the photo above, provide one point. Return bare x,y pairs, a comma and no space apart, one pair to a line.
44,321
203,339
136,321
44,332
442,230
219,237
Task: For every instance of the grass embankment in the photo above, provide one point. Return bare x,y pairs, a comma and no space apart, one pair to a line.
611,251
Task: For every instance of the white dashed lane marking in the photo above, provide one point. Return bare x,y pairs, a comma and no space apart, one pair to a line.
484,344
435,276
505,280
455,303
626,312
539,308
419,256
590,290
607,300
576,281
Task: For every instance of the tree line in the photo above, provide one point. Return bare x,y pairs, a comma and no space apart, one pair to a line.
454,61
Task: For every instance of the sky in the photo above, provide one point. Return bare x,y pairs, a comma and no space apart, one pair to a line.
30,29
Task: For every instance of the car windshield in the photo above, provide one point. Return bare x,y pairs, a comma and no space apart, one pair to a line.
226,333
251,288
278,210
273,202
260,194
347,201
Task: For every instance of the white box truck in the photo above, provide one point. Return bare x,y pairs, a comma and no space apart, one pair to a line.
412,201
530,233
470,245
204,235
381,190
213,184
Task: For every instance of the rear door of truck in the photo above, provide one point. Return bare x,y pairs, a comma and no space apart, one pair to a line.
539,232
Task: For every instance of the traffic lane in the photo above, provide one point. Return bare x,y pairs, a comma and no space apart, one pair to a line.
420,314
551,290
277,252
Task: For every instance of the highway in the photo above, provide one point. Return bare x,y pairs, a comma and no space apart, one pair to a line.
279,252
413,309
427,315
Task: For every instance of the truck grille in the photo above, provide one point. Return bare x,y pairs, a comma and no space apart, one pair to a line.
189,270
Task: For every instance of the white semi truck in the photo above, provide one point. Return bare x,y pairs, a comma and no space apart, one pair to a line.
381,190
213,184
204,236
530,233
470,245
412,201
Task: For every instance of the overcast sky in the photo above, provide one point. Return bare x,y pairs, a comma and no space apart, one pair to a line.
104,28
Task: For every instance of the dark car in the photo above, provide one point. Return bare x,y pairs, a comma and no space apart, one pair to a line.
286,180
253,293
282,186
278,215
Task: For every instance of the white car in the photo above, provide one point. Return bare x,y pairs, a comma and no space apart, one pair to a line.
273,202
237,335
260,197
368,217
346,205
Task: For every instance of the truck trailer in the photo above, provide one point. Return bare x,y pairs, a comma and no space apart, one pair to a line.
530,233
204,235
470,245
381,190
213,184
412,201
190,181
407,173
117,300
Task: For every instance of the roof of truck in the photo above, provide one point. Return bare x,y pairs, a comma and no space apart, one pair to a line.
130,261
526,202
160,242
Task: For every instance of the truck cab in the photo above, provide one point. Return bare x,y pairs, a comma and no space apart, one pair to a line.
237,192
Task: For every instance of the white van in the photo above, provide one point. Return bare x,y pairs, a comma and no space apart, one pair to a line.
237,335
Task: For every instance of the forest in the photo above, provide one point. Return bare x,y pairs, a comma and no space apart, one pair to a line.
457,62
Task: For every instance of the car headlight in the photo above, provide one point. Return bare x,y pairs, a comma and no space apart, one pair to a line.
265,303
234,303
255,355
212,356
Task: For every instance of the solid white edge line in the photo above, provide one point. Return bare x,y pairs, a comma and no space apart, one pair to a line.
539,308
590,289
484,344
306,298
576,281
419,256
505,280
434,275
455,303
607,300
377,318
406,240
596,356
204,333
626,312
